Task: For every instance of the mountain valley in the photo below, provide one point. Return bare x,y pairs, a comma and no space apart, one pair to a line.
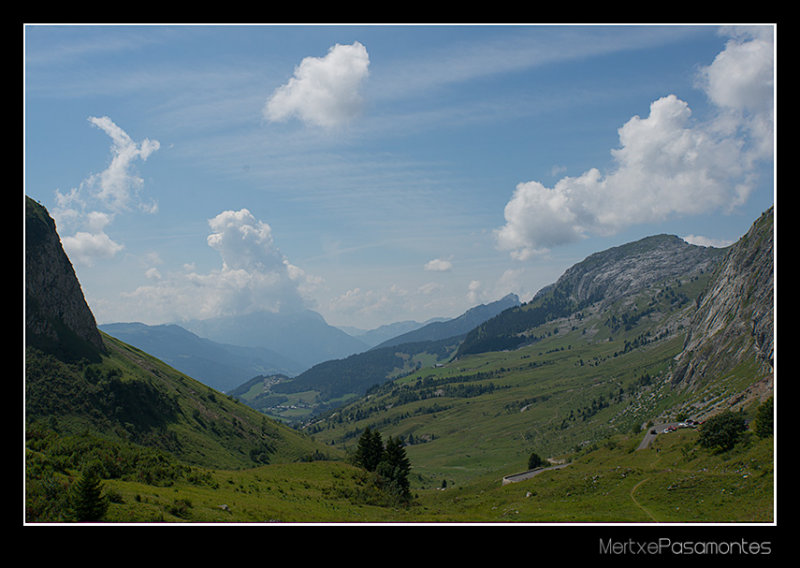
652,332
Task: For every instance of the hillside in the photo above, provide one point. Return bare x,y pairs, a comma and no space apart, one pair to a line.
92,399
731,335
673,482
590,357
57,318
598,364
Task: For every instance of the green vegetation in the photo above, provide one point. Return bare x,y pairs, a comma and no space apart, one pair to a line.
675,480
579,395
123,437
388,462
721,432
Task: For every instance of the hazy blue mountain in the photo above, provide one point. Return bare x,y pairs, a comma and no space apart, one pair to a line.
373,337
302,336
217,365
433,343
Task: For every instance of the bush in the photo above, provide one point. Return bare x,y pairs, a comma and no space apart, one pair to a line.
535,461
764,421
721,432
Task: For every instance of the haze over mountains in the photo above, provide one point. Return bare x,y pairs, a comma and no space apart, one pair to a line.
226,352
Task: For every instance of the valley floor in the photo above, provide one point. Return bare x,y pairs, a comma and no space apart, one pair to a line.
672,482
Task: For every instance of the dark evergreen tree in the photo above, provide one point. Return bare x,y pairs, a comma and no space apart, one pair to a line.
369,451
87,504
395,466
535,461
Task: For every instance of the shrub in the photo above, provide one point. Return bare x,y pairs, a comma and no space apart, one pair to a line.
721,432
764,421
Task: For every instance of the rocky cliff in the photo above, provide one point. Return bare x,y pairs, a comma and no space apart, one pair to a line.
57,318
624,270
733,324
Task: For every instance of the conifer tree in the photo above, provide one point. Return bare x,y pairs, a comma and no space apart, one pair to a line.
370,450
395,466
87,503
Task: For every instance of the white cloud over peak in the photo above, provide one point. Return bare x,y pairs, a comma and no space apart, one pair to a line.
667,164
324,91
254,276
86,248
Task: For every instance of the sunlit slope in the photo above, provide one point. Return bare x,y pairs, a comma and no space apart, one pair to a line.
585,379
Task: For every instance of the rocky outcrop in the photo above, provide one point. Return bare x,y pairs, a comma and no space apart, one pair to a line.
599,280
57,317
733,323
624,270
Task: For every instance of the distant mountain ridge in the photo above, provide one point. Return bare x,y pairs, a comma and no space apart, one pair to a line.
460,325
354,375
386,332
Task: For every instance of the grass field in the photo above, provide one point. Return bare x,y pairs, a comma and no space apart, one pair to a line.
675,481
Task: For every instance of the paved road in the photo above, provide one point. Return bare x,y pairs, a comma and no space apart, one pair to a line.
651,434
658,429
531,473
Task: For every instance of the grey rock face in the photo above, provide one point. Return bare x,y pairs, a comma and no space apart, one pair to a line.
734,319
621,271
56,313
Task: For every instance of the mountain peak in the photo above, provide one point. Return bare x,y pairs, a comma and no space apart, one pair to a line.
621,270
57,318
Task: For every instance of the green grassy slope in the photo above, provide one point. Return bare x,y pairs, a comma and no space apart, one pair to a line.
579,394
132,396
674,481
136,420
587,378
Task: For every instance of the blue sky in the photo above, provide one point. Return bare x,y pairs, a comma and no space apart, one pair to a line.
380,173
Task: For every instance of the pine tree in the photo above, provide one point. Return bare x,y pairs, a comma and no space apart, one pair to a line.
534,461
369,451
396,466
87,503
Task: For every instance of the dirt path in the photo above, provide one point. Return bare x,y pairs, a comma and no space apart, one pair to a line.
635,502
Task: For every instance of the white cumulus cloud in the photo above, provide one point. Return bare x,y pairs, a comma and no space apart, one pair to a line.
254,276
86,248
666,164
117,185
324,91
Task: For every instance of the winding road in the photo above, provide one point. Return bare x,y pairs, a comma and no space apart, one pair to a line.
654,431
513,478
